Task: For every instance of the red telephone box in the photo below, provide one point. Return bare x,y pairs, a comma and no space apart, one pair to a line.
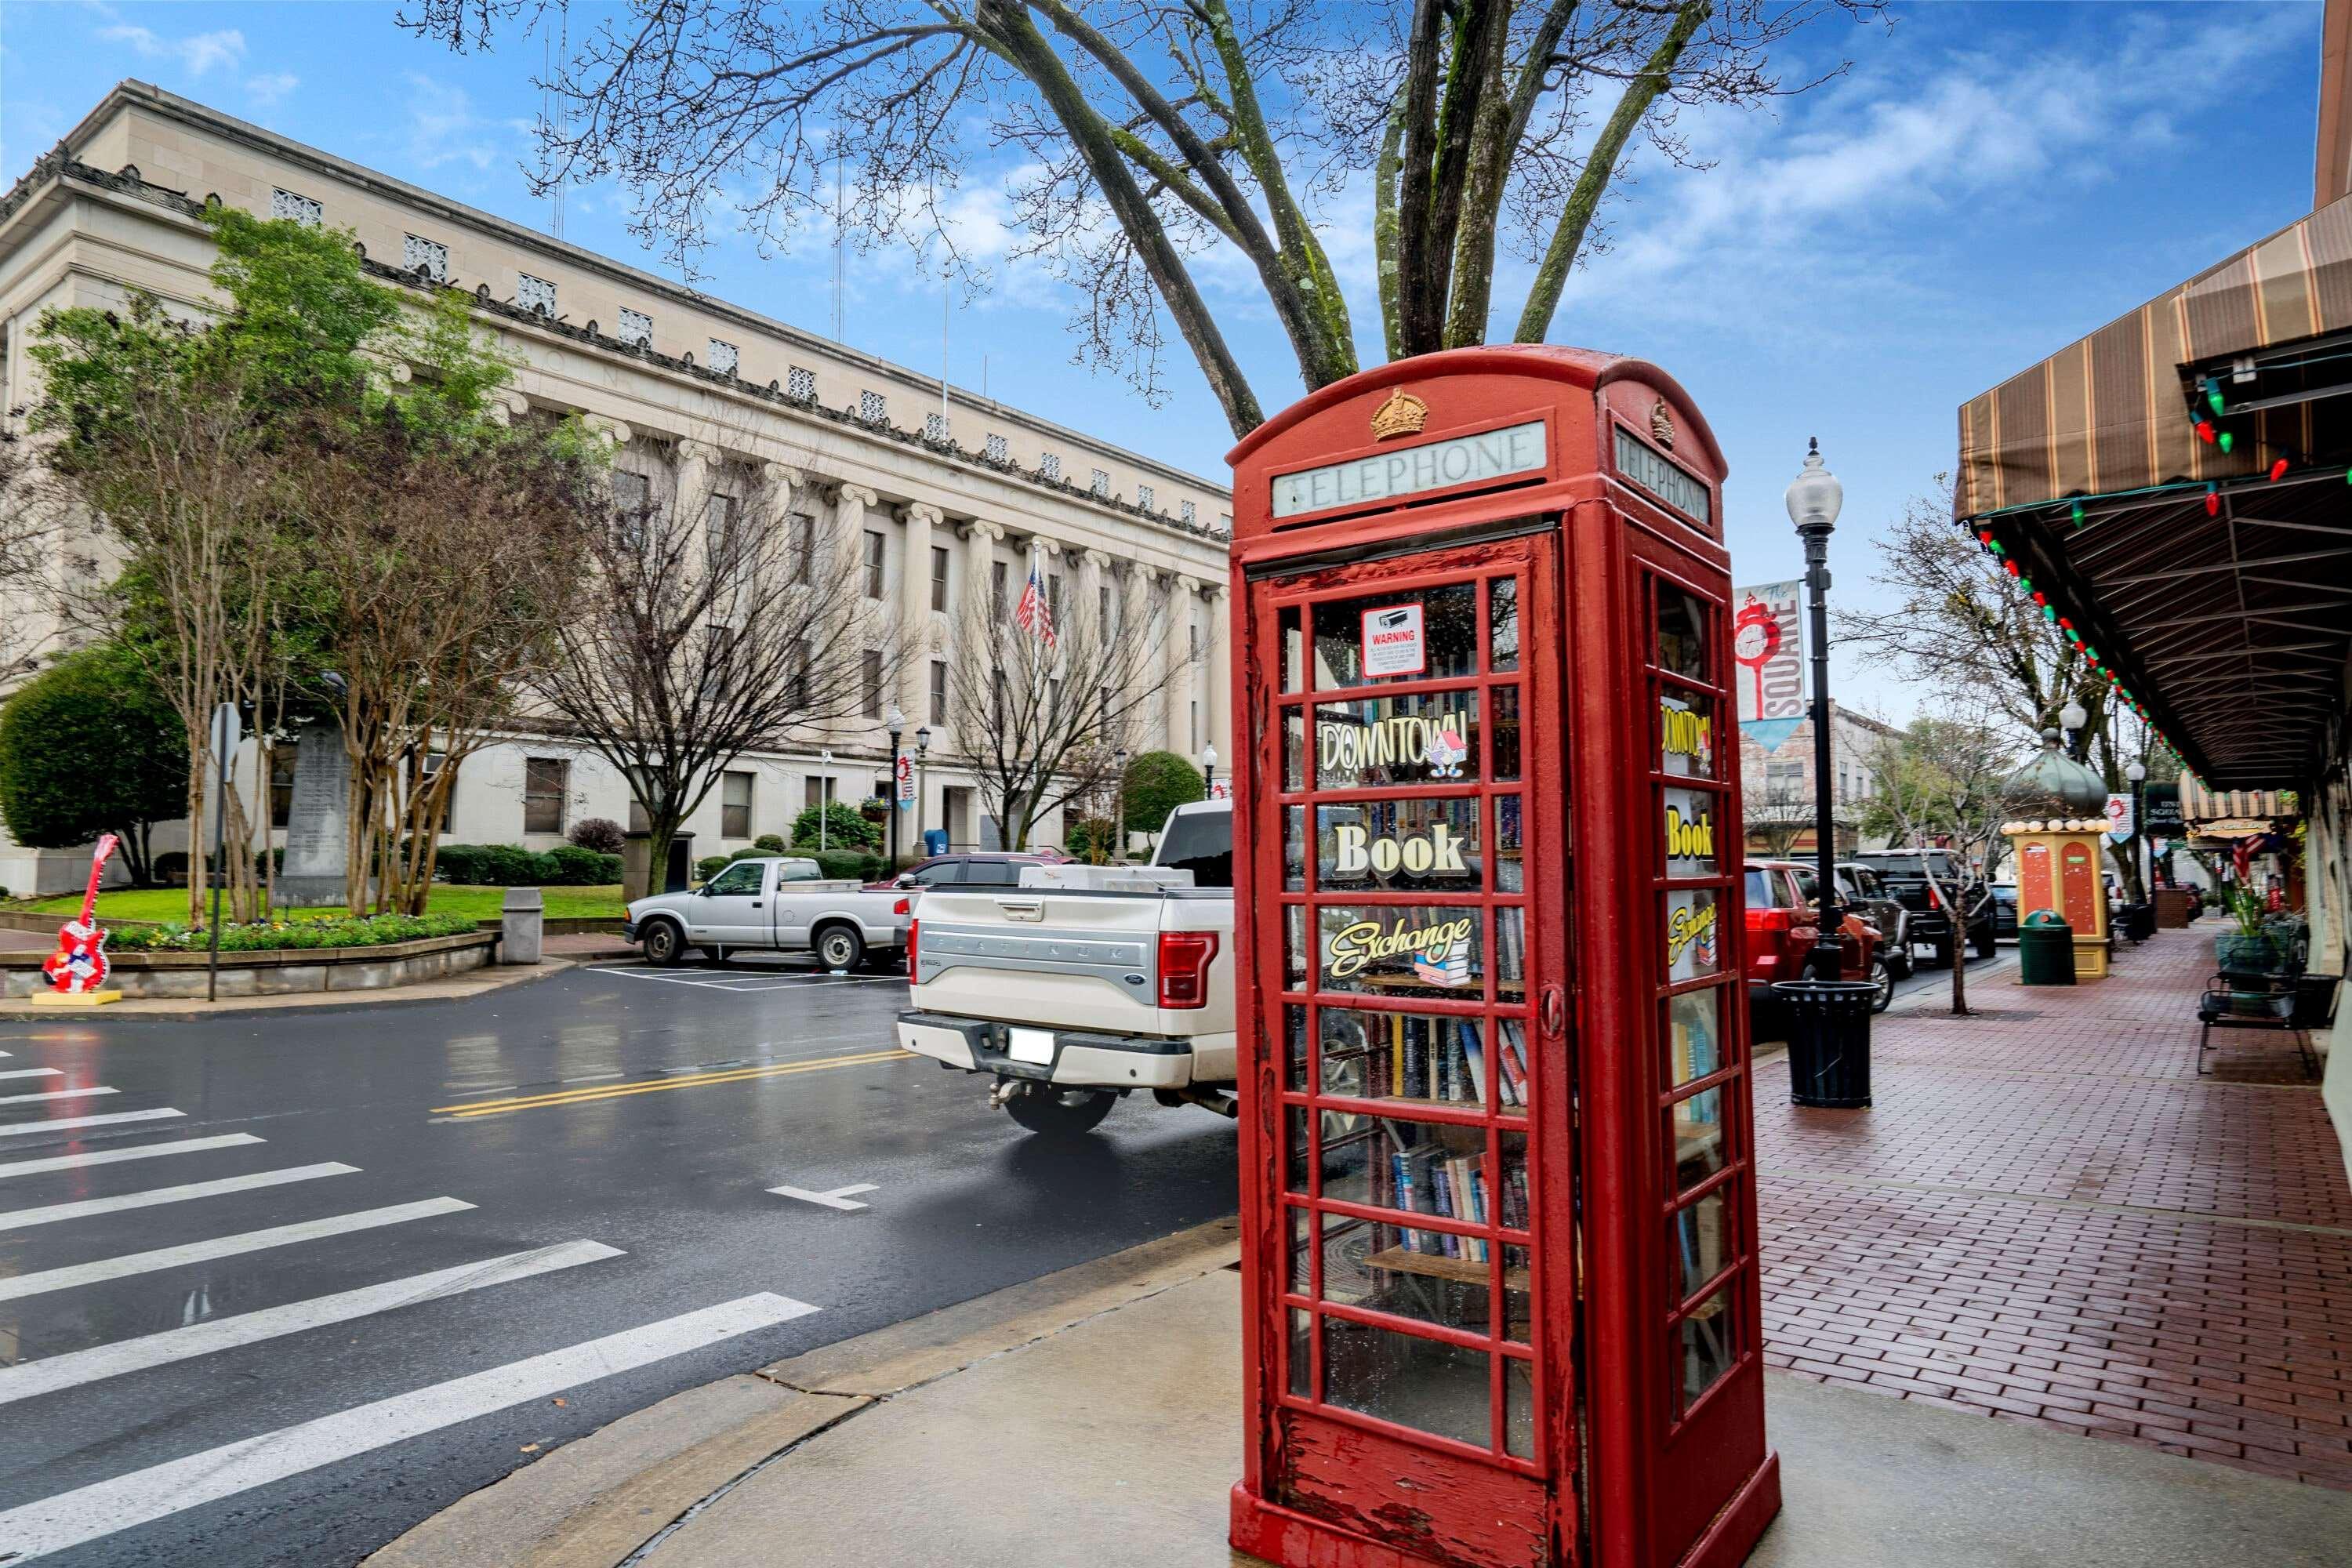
1497,1194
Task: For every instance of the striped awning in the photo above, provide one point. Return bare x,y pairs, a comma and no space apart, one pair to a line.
2110,413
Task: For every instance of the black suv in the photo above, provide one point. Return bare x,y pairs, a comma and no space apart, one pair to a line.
1903,875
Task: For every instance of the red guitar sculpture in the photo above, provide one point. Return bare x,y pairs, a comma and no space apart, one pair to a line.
79,967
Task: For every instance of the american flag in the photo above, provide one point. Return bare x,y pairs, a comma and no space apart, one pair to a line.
1034,614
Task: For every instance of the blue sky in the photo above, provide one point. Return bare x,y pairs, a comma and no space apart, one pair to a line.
1986,184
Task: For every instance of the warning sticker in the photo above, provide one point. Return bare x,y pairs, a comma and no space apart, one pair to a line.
1393,642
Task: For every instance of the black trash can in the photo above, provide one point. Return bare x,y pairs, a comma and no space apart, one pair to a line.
2045,950
1829,1041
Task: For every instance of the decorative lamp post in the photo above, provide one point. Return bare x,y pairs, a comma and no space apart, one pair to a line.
923,749
1209,770
1815,498
1118,810
894,723
2143,874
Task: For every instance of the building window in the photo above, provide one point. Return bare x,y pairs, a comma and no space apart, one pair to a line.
1187,512
815,790
724,357
431,771
632,504
1224,522
1144,497
800,687
534,294
938,578
873,408
1196,727
938,691
428,256
1049,465
872,674
735,806
1193,638
935,428
300,209
800,383
996,588
804,547
1102,608
1054,595
1100,484
718,530
1000,450
281,783
637,327
873,565
546,784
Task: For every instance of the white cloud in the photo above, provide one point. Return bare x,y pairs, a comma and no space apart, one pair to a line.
442,127
196,54
268,91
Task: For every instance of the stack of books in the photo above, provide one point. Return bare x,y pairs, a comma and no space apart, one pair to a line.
1443,1059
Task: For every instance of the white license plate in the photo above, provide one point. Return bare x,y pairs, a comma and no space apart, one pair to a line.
1032,1046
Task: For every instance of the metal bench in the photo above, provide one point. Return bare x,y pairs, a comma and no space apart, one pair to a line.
2296,1003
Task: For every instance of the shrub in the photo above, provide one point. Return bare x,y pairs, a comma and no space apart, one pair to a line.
601,834
1094,839
1157,783
576,866
769,843
844,829
710,865
89,746
840,863
261,936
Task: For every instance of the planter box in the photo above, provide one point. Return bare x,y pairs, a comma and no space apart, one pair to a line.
273,973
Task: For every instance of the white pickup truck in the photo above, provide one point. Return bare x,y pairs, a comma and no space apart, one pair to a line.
774,904
1087,983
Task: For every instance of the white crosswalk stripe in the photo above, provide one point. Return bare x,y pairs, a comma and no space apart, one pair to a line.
115,1157
51,1213
72,1518
28,1379
220,1246
64,1123
55,1094
32,1072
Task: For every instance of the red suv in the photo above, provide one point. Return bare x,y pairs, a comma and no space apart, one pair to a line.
1784,922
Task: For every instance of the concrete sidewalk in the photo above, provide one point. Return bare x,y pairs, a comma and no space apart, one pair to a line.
1092,1417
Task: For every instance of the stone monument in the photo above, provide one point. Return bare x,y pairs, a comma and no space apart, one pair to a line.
318,822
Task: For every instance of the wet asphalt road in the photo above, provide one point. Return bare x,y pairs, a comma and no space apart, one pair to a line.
657,1110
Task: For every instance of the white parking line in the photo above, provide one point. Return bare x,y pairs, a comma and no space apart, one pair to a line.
114,1156
29,1379
18,1219
60,1123
72,1518
220,1247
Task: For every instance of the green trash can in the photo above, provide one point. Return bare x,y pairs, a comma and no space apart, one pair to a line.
2045,950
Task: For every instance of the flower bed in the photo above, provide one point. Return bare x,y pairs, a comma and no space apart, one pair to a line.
266,936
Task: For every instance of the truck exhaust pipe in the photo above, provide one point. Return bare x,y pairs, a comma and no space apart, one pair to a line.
1225,1105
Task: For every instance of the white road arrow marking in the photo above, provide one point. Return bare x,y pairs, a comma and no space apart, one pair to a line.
836,1199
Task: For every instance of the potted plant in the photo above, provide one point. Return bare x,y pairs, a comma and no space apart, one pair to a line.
2245,948
874,808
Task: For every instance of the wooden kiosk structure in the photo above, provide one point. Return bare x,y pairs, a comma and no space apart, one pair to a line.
1497,1194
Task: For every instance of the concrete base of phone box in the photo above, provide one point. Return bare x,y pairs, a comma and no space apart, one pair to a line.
1292,1539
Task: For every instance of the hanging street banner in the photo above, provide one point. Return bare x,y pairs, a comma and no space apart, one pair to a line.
2119,818
2162,802
903,769
1768,642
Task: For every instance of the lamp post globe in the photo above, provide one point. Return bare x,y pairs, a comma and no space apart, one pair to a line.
1209,769
1815,498
2071,717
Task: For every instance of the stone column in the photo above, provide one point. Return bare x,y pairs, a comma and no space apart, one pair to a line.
696,461
1219,712
917,622
850,503
1176,695
1087,613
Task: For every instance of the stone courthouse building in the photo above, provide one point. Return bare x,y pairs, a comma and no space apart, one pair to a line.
933,488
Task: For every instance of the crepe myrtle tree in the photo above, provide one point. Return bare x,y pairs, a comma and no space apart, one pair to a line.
1153,136
711,625
1041,725
1943,783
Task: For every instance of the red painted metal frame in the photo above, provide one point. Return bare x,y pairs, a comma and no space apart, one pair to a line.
1620,1477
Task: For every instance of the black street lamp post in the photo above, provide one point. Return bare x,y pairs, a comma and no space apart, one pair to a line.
895,723
2142,873
1815,498
922,750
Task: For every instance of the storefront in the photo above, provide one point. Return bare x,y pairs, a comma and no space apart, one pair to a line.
1497,1171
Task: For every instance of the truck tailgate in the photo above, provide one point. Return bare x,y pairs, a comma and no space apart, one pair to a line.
1087,960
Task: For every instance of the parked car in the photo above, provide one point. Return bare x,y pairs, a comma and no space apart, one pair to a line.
775,903
1905,873
1783,923
1860,890
1087,983
984,869
2004,910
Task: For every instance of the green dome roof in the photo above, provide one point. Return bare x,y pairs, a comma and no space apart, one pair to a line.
2055,785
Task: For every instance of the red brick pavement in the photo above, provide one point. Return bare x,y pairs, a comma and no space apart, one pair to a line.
2049,1217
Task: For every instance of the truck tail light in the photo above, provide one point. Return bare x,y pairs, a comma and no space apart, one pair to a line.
1775,920
1184,957
914,934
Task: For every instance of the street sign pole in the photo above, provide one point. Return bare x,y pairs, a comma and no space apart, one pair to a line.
227,735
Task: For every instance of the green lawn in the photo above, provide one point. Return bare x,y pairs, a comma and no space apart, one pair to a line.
482,903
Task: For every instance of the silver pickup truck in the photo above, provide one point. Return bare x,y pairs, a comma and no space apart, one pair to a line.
774,904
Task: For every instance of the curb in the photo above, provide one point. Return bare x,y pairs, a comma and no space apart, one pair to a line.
602,1501
499,978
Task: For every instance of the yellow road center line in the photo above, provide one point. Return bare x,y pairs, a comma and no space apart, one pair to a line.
683,1080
